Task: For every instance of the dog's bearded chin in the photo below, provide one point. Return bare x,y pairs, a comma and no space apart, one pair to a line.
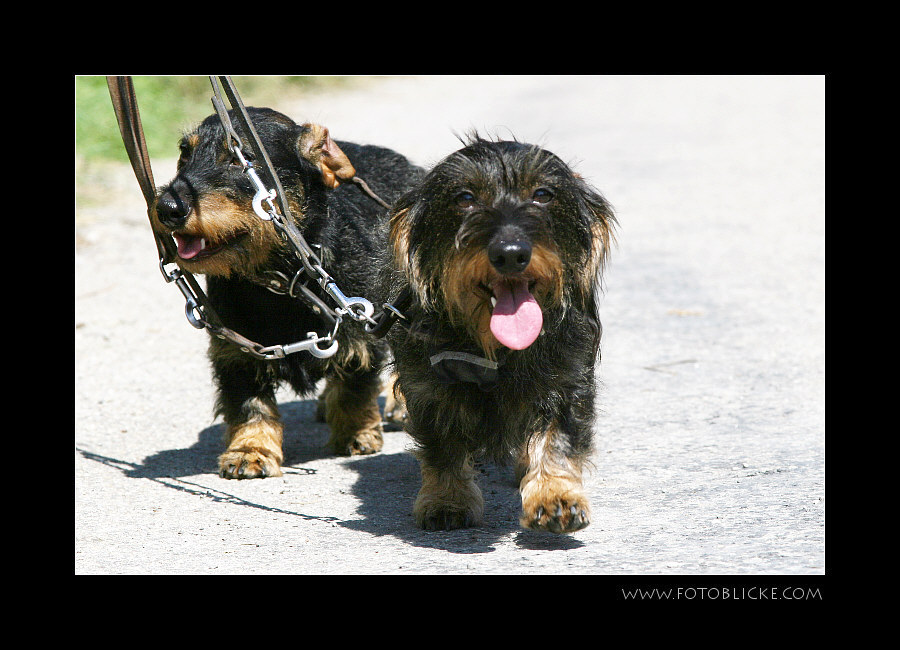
517,318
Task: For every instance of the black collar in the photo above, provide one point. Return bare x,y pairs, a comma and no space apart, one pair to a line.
451,366
454,366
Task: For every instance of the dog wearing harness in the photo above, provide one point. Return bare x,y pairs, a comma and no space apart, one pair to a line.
496,259
256,286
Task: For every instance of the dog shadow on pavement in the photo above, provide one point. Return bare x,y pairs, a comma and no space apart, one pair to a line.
387,487
305,440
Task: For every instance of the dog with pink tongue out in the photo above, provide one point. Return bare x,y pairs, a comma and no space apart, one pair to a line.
496,261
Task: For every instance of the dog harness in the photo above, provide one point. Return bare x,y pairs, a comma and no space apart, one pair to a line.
198,311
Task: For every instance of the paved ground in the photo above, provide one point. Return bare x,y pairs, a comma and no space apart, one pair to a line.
711,435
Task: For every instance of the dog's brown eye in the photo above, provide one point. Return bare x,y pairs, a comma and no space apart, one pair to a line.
465,200
542,195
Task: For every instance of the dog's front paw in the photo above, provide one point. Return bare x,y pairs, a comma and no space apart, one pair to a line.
448,500
554,505
254,451
248,463
447,516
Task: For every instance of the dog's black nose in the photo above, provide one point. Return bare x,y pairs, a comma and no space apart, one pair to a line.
509,256
171,209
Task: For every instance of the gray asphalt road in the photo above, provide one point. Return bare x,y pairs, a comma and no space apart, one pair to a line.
711,430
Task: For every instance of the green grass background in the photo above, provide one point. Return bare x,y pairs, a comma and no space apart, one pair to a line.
169,106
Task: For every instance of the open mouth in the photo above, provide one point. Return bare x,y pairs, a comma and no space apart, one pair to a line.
516,319
490,291
193,247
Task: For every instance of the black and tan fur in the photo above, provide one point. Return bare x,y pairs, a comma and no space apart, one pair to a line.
210,198
538,408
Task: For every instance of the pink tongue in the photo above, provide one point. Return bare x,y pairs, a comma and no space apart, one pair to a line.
517,318
188,247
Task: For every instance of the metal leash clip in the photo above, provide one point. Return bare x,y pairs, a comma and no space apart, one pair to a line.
310,344
262,194
192,302
359,308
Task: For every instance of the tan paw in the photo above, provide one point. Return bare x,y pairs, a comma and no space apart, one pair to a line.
447,516
368,441
254,451
554,505
248,463
448,500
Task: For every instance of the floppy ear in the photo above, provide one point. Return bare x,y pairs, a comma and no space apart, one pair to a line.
399,233
315,144
600,222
